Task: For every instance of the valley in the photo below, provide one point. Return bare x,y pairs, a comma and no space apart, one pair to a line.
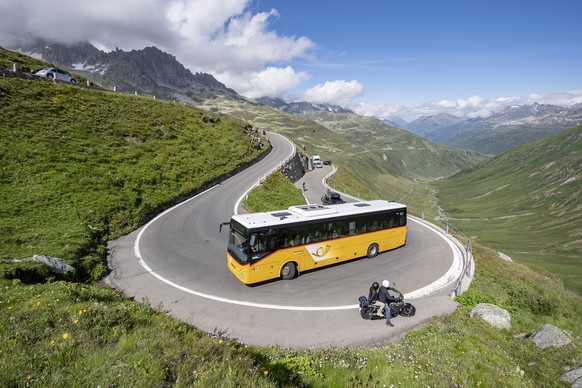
525,203
81,167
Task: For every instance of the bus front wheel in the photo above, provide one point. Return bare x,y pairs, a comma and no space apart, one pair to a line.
373,250
288,271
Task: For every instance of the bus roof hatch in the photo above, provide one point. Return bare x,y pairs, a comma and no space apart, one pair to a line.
312,210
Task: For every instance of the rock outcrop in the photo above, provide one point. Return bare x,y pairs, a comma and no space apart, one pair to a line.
573,377
492,314
56,265
549,335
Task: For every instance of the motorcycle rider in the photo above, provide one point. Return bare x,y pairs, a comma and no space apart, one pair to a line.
373,293
385,297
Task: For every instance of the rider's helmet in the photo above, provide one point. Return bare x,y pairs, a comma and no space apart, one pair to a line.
375,285
386,283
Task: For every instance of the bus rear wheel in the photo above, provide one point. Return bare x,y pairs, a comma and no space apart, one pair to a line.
288,271
373,250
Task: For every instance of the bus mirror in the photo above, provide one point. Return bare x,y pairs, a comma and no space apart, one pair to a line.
221,225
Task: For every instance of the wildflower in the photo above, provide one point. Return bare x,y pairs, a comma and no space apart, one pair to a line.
265,372
80,312
52,342
65,336
220,342
75,321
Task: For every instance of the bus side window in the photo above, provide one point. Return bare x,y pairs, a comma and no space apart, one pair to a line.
317,236
362,225
352,228
272,243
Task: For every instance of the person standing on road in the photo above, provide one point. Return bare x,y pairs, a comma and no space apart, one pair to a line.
385,297
303,186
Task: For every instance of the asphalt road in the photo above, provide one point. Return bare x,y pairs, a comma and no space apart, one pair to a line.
178,261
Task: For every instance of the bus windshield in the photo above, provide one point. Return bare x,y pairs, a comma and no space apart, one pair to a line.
237,242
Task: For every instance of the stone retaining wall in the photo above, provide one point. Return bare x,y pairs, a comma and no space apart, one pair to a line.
294,169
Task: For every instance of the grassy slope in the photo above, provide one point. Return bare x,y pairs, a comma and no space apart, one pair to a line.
404,153
525,203
80,166
66,334
376,161
275,193
23,62
26,64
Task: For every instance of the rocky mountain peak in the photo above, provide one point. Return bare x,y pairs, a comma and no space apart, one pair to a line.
148,71
302,107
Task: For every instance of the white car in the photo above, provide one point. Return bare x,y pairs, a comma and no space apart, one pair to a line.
51,72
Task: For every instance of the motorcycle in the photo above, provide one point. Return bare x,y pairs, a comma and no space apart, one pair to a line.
373,310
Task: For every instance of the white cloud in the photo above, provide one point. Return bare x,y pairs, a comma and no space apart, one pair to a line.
271,82
334,92
566,98
474,106
222,37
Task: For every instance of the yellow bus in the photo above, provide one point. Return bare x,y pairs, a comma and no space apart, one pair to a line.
280,244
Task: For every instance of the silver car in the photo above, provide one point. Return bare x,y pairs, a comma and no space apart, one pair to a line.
54,73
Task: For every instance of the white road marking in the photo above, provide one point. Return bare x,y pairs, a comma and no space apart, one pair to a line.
452,274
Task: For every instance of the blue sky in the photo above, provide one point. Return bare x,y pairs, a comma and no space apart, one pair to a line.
414,52
379,57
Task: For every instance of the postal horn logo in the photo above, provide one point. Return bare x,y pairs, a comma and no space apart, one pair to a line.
322,251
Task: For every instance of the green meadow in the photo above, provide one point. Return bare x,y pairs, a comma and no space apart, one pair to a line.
80,167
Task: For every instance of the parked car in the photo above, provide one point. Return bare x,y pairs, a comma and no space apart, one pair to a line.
52,72
332,198
327,162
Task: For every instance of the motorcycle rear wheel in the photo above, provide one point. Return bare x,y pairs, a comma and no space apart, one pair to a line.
366,313
408,310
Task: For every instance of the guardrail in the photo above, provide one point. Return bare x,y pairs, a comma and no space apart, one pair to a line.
467,250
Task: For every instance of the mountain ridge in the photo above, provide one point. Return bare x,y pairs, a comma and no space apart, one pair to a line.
500,131
147,71
301,107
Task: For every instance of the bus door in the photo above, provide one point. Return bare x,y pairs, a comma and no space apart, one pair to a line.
263,244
